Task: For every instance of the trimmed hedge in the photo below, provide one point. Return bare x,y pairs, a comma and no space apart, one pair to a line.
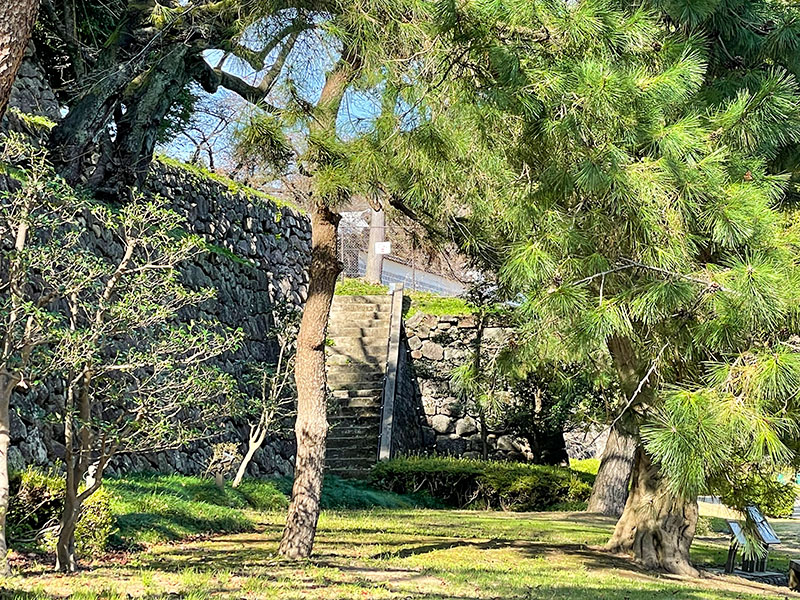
464,483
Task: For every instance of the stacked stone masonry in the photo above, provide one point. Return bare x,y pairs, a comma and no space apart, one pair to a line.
258,257
437,345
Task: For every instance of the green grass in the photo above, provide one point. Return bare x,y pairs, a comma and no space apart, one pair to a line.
351,286
433,304
586,465
416,302
393,555
151,508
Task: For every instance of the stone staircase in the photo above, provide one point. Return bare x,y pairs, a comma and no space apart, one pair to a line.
359,330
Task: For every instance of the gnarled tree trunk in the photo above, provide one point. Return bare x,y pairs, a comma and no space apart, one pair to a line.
610,490
311,426
16,24
657,526
148,100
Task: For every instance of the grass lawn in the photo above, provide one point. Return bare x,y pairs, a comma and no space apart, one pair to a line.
391,554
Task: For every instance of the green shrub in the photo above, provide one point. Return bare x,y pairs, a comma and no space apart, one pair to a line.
95,525
585,465
263,495
37,499
35,504
777,501
775,498
485,484
339,494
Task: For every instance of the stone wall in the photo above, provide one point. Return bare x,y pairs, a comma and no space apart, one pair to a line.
258,257
410,422
438,344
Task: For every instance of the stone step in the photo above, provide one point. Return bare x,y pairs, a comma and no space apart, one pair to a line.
350,447
368,454
370,342
349,329
363,403
337,381
357,400
356,388
373,355
371,299
365,368
366,402
341,415
364,445
359,315
355,417
341,360
365,344
361,307
343,394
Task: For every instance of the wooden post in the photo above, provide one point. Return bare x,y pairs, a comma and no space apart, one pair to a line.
377,234
390,381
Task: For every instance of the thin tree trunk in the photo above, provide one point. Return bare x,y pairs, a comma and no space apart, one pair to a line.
657,526
65,546
237,481
610,490
16,24
311,426
253,445
7,384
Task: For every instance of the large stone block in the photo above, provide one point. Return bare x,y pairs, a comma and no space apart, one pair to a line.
466,426
450,446
441,423
432,351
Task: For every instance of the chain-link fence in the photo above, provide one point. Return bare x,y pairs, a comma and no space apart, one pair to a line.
415,270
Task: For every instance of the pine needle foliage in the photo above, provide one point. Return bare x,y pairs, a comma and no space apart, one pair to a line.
627,178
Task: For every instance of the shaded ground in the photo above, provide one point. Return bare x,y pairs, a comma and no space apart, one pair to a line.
420,554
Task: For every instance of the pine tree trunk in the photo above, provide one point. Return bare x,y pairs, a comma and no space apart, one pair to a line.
657,526
149,99
16,24
311,426
610,490
6,387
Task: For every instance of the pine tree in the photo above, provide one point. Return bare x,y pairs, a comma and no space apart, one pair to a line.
335,92
633,199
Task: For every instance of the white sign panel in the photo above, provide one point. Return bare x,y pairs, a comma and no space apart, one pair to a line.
383,247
